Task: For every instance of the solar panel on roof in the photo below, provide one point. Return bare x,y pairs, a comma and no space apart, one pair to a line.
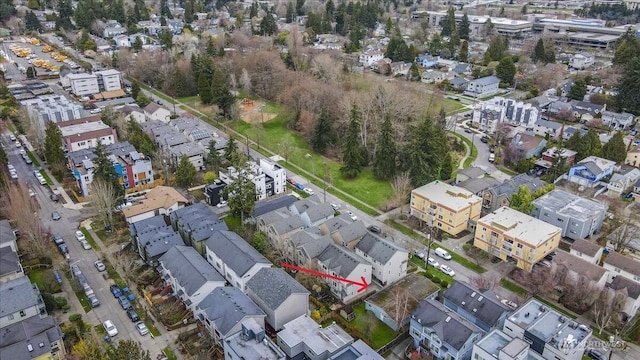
199,134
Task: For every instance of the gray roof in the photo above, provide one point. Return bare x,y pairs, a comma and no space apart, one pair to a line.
568,204
15,338
129,109
227,306
340,260
17,294
478,185
450,327
580,266
511,186
235,252
302,205
273,286
206,228
315,247
142,226
586,247
189,269
187,149
119,149
265,206
489,309
621,283
472,172
320,211
6,232
623,262
347,228
378,248
548,124
9,261
285,225
487,80
159,240
184,214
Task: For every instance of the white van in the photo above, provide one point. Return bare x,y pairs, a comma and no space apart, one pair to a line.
443,253
492,157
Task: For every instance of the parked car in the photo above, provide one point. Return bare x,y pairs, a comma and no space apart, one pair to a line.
110,328
12,137
55,216
221,204
352,215
85,245
124,302
291,181
142,328
80,235
484,139
308,190
433,262
53,197
58,239
100,265
133,315
447,270
93,300
63,249
335,207
419,254
443,253
300,187
374,229
31,192
595,354
115,290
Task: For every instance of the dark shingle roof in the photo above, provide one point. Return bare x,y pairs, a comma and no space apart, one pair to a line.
263,207
586,247
623,262
15,338
142,226
228,306
378,248
17,294
467,297
621,283
9,261
236,253
450,327
340,260
274,286
189,269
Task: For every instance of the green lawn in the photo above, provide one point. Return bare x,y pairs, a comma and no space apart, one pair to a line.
367,324
113,274
474,150
169,353
512,287
33,159
46,177
451,106
274,133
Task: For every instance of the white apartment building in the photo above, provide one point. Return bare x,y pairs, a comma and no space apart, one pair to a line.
83,84
52,108
269,178
109,80
488,114
370,57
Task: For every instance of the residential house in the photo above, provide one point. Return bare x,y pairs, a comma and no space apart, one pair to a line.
548,156
479,306
621,265
582,60
304,247
624,181
21,300
432,76
224,310
142,226
268,205
32,338
586,111
157,112
132,167
312,213
388,259
357,350
279,295
83,84
633,156
343,230
7,235
400,68
369,57
516,237
191,151
251,343
198,228
427,60
234,258
305,338
545,127
482,87
580,271
500,195
617,121
631,290
527,145
181,218
161,200
85,133
478,186
442,332
498,345
579,218
383,304
268,177
340,261
488,114
590,171
190,276
471,172
449,208
458,84
122,41
560,108
10,267
278,225
154,241
627,237
550,334
133,112
587,250
463,69
196,131
113,28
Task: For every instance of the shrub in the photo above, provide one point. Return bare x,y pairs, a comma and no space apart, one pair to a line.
435,281
75,317
444,284
429,276
466,247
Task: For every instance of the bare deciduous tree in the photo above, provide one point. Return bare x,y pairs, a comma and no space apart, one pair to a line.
623,230
18,206
488,280
401,187
104,199
602,310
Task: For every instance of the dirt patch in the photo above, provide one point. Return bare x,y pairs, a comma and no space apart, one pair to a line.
251,112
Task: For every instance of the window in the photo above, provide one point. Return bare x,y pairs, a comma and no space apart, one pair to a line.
572,231
546,214
519,245
22,313
561,220
10,316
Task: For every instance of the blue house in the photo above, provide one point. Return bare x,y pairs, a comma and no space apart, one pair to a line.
480,307
590,171
442,332
427,60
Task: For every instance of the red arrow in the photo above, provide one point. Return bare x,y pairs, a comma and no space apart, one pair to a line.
362,284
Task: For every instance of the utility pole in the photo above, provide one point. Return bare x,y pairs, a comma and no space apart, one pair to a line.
324,187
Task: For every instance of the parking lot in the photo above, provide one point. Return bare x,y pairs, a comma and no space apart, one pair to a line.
26,54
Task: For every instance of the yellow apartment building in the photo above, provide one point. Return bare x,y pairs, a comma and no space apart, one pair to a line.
516,237
448,208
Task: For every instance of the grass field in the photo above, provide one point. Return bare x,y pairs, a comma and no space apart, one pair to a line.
452,106
367,324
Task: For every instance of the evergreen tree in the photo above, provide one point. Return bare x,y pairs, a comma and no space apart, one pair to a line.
558,166
204,89
465,27
414,72
135,89
463,55
435,45
422,156
446,169
591,145
185,173
137,44
241,194
497,49
213,159
188,12
448,23
31,22
104,169
232,154
574,142
65,12
615,149
268,25
166,39
290,13
578,90
138,138
506,70
221,94
352,152
629,87
53,152
299,7
627,49
522,200
384,162
539,54
323,134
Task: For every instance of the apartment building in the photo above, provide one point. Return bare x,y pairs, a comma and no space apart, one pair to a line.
85,133
109,80
516,237
579,218
270,178
488,114
449,208
52,108
83,84
21,300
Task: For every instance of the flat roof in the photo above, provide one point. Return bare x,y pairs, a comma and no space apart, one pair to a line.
318,339
520,226
565,203
494,342
83,128
452,197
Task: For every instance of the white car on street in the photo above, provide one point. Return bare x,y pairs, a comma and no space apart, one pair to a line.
110,328
85,245
352,215
447,270
433,262
80,236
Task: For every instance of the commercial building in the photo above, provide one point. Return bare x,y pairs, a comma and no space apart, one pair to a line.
82,84
479,24
516,237
449,208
